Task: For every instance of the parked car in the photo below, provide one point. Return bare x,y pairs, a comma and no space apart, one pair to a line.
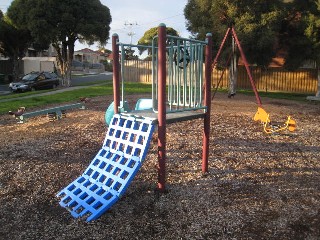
34,81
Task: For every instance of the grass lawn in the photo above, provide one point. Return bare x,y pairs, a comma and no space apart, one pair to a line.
63,97
102,90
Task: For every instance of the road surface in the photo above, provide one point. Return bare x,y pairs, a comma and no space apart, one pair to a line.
76,80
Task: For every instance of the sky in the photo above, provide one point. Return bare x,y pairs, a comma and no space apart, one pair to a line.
136,17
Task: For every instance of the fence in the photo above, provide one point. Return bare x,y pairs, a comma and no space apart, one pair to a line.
138,71
303,80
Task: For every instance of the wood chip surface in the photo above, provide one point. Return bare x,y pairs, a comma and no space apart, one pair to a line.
259,186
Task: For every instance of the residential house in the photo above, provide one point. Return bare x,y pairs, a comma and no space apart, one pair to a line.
89,56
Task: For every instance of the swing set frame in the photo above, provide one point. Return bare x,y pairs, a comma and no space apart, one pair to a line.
261,115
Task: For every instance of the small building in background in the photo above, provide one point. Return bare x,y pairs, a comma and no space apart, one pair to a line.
90,56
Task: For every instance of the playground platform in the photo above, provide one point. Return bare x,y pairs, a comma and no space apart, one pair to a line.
171,117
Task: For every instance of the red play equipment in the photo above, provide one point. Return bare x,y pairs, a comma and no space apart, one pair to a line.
184,94
261,115
231,31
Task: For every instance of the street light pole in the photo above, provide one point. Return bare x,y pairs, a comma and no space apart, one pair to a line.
130,33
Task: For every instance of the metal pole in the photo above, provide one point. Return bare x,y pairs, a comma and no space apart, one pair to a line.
220,79
220,49
116,77
161,107
207,100
253,85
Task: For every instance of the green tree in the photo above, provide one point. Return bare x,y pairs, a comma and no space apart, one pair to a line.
256,22
13,42
300,34
148,36
62,23
313,34
292,38
129,54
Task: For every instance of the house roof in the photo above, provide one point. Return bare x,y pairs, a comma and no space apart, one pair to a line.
89,51
86,50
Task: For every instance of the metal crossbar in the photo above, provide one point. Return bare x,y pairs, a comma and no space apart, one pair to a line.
112,170
57,110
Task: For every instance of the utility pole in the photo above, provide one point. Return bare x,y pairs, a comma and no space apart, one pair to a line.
130,26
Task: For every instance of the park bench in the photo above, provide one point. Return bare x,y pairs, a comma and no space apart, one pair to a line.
53,113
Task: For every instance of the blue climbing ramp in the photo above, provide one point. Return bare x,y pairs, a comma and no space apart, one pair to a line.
112,170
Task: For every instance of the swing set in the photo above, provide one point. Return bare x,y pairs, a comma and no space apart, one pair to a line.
261,115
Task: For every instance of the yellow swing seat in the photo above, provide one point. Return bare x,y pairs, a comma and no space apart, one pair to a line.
262,116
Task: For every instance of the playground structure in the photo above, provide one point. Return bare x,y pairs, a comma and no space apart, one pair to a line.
261,115
129,134
188,94
180,91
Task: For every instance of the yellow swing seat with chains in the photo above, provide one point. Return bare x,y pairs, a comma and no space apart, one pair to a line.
269,128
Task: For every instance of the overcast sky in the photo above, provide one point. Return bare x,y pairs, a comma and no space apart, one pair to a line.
138,16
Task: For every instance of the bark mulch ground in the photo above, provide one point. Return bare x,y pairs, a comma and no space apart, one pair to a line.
259,186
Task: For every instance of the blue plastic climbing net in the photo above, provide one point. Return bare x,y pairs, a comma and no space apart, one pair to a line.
111,171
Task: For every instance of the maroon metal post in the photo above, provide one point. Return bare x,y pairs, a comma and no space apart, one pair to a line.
207,100
253,85
161,107
220,79
220,49
116,73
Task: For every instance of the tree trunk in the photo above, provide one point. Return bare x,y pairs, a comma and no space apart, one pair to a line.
233,71
15,67
64,53
69,60
64,60
59,59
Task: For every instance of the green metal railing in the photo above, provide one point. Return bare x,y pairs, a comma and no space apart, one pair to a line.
184,73
185,77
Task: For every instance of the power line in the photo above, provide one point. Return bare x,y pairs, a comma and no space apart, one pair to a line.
128,26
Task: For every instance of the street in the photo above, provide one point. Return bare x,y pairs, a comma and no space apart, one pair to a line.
76,80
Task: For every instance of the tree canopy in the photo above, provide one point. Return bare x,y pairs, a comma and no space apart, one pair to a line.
13,42
299,36
264,27
150,34
256,22
61,23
